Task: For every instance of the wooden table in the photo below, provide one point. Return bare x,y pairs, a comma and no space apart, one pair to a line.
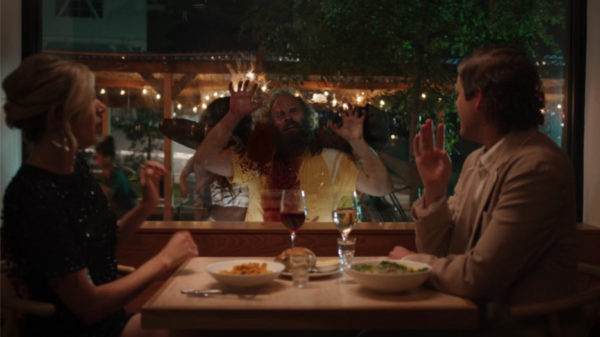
324,305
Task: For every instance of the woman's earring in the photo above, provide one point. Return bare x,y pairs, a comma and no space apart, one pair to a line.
64,144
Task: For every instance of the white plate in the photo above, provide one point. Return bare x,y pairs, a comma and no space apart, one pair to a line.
313,274
244,281
391,282
324,265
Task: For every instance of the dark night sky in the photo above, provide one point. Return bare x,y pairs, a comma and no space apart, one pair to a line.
197,26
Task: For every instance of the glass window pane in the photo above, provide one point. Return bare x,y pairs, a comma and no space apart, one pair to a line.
397,58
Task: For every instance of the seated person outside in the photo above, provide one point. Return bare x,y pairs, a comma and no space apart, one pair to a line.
215,198
114,183
507,235
282,153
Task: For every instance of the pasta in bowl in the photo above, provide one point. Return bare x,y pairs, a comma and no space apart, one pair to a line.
245,273
390,275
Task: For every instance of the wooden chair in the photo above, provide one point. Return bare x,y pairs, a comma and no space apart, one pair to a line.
14,305
587,300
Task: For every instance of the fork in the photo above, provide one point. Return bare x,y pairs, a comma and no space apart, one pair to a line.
201,293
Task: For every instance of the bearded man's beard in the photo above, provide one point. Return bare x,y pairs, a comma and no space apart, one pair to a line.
294,142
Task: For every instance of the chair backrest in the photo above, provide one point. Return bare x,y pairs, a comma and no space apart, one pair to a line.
587,300
14,305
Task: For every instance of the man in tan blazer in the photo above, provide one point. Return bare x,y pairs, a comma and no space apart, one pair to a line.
507,235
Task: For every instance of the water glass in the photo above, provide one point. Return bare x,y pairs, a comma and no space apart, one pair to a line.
300,267
346,248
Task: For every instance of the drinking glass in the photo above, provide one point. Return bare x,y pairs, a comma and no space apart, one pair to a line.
346,213
293,210
300,263
346,249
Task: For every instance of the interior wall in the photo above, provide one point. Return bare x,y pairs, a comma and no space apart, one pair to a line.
10,57
591,140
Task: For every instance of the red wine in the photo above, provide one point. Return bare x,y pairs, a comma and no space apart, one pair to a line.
293,221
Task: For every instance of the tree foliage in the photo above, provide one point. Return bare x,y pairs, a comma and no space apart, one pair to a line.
417,42
141,128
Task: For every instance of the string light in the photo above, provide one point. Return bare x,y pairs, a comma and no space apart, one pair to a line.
559,106
263,88
178,106
393,137
157,96
326,93
195,109
381,102
216,94
250,75
334,102
204,106
297,94
345,106
122,92
423,95
144,91
207,97
102,91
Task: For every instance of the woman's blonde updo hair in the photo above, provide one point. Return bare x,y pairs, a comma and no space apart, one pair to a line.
41,84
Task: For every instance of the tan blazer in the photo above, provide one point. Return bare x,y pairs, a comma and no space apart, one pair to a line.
519,244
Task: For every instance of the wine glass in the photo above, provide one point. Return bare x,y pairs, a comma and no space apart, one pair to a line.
346,213
293,210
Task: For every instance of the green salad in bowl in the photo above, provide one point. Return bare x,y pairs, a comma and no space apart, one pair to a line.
388,267
390,276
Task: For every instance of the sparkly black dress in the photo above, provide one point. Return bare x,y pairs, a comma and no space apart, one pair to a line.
54,225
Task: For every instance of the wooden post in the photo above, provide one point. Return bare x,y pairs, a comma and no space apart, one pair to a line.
167,111
105,119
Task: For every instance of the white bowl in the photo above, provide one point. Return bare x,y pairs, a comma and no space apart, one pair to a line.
391,282
244,281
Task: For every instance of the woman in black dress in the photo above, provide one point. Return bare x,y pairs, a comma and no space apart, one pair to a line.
57,225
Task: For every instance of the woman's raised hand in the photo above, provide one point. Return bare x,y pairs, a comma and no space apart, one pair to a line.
240,102
433,163
149,179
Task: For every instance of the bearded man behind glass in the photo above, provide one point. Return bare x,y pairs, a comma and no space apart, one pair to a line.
284,153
